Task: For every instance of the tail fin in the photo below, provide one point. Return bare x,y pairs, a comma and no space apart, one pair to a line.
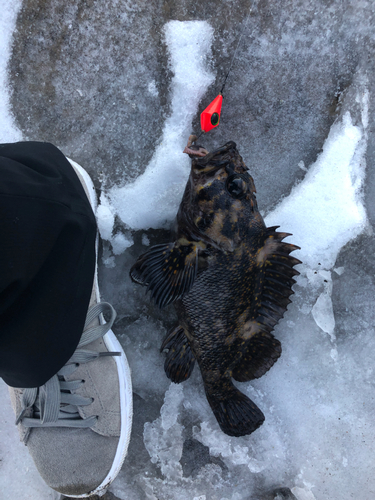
236,414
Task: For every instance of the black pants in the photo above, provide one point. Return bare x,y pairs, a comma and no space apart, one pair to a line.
47,262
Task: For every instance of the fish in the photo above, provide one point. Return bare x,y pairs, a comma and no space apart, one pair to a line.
229,278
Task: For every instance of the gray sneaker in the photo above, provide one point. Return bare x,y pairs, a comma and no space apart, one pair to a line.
77,426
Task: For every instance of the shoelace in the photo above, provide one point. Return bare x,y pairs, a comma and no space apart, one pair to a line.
54,403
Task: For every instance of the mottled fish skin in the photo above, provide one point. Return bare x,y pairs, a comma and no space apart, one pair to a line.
230,279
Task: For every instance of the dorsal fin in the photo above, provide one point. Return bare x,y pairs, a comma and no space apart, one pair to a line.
279,275
261,350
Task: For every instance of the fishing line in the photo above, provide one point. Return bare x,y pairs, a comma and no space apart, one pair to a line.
235,52
210,117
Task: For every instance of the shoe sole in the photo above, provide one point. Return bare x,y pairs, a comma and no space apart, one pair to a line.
123,369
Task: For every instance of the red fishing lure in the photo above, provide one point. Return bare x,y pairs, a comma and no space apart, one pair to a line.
210,117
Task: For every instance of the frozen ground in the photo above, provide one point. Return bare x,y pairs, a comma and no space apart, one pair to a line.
119,89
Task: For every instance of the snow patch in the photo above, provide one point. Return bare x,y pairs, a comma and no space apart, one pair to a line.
326,209
8,129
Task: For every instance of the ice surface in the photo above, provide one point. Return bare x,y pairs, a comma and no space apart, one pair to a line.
299,104
322,311
163,438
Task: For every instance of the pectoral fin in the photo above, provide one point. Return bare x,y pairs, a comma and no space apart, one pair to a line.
168,270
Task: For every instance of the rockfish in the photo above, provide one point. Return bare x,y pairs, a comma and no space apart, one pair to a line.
229,277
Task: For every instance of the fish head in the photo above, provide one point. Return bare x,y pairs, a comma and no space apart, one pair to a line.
219,204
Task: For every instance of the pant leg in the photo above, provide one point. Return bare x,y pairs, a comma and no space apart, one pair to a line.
47,262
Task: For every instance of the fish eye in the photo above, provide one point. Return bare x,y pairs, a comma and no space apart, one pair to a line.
236,186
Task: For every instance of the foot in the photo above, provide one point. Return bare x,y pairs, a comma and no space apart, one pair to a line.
77,426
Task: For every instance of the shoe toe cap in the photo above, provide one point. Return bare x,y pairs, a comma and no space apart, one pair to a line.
72,461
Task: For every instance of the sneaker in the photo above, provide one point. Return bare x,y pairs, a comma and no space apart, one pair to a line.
77,426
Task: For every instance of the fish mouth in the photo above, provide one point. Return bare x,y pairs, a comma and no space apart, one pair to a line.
222,155
226,156
194,150
198,152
